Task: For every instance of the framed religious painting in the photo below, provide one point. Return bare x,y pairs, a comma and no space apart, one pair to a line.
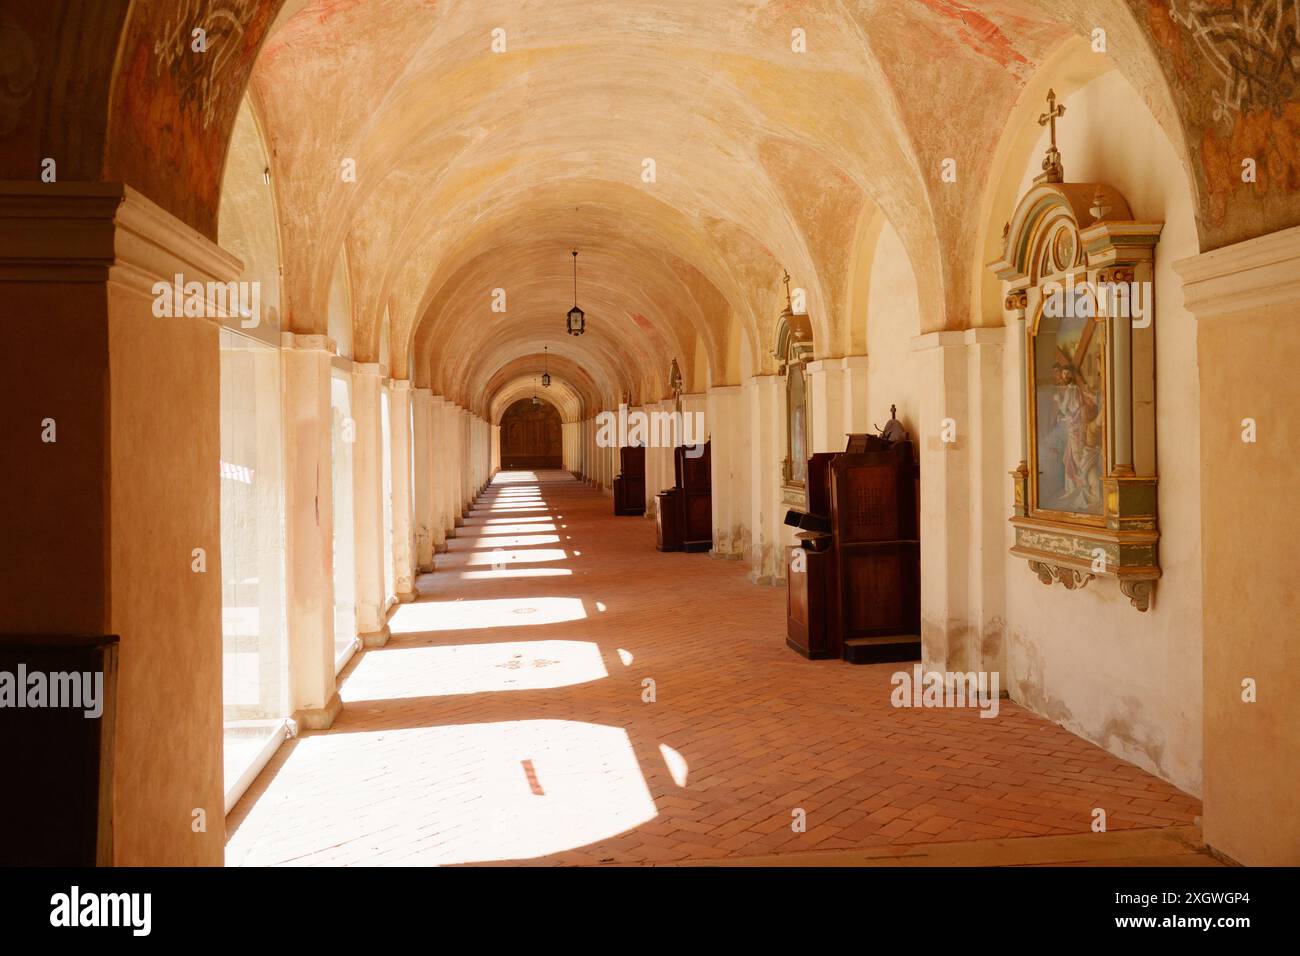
1078,270
1068,408
793,351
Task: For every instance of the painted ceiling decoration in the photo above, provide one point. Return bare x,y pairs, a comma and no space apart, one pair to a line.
446,150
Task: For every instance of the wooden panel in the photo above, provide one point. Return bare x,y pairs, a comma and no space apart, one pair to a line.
632,462
876,581
870,503
696,475
531,436
629,486
876,545
819,483
668,521
810,628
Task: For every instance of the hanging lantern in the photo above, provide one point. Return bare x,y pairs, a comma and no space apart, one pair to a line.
546,373
576,322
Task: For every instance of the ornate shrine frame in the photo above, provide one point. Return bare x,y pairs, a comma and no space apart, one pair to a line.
793,352
1072,252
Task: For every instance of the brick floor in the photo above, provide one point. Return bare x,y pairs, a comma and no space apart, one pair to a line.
509,720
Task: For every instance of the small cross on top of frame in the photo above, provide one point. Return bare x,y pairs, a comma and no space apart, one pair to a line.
1053,171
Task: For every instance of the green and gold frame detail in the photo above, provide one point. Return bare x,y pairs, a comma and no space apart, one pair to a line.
1079,274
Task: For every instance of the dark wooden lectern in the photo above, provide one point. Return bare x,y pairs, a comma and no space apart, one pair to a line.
810,569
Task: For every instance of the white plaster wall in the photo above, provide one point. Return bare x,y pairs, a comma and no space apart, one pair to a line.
893,320
340,308
1129,681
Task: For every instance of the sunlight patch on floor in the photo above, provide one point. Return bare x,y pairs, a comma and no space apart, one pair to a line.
524,540
474,615
523,557
519,789
539,527
514,573
473,668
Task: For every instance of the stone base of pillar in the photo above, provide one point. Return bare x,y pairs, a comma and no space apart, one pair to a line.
376,638
441,546
425,568
406,597
320,718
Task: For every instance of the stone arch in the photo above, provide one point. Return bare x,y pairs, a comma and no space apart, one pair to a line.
1071,67
249,224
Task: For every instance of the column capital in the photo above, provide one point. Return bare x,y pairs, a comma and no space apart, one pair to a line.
400,385
368,369
822,366
938,340
78,231
986,335
855,361
724,390
294,341
1255,274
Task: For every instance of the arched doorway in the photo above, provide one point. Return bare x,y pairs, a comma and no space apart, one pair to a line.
530,436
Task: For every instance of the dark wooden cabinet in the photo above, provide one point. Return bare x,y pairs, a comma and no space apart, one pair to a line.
56,802
629,486
854,580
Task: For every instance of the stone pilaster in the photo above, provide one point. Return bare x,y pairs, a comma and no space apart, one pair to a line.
729,451
827,418
944,426
309,528
853,383
423,417
111,445
1246,298
400,397
765,396
368,502
988,465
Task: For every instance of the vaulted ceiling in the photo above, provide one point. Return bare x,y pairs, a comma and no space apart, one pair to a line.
690,152
489,138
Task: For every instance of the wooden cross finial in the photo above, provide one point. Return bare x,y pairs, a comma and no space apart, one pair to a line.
1053,111
1053,172
786,280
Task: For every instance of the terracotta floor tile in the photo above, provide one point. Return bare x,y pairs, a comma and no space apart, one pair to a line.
489,675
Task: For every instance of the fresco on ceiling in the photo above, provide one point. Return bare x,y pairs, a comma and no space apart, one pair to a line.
174,106
1234,66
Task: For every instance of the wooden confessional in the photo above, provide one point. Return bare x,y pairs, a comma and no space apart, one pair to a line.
684,521
854,579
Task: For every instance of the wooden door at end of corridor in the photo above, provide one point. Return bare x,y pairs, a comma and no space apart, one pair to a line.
531,436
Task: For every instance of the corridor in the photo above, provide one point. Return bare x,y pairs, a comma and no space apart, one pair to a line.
562,693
